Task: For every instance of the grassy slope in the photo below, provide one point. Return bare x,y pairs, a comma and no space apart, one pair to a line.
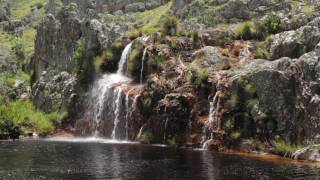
22,8
150,19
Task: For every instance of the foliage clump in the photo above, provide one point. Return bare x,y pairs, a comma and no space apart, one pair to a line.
108,60
241,113
244,31
269,25
146,138
135,59
198,77
170,26
24,116
283,148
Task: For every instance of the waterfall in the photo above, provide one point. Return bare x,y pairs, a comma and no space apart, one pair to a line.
214,120
117,108
216,110
107,99
142,64
165,131
110,107
100,93
140,132
122,68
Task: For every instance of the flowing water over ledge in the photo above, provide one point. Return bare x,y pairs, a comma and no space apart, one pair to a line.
108,159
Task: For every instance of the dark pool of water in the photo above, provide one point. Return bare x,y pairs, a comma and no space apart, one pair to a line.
92,160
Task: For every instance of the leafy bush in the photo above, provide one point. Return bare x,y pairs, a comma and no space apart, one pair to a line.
243,30
146,138
24,115
270,25
198,77
194,34
170,26
9,130
262,50
135,60
283,148
108,61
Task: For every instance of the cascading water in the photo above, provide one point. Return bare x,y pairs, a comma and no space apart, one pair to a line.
122,68
142,64
117,108
102,91
215,112
111,107
165,131
108,101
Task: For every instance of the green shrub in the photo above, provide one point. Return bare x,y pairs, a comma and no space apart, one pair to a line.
79,56
170,26
133,34
308,10
2,99
270,25
9,130
195,38
283,148
243,30
108,61
24,115
135,60
262,50
198,77
146,138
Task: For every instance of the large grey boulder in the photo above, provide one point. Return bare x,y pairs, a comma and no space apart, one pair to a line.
294,43
210,58
234,10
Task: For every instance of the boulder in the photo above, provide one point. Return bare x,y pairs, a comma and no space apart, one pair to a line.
294,43
210,58
310,153
234,10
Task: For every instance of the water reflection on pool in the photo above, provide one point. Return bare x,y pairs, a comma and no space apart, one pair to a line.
102,159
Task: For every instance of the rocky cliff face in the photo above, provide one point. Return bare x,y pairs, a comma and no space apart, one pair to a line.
66,46
250,70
